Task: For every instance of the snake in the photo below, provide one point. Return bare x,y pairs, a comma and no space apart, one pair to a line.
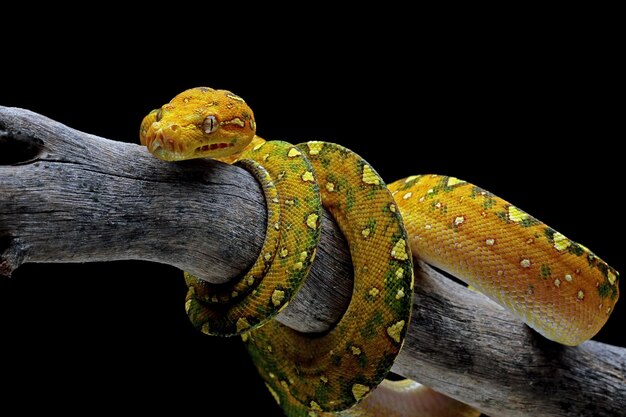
558,287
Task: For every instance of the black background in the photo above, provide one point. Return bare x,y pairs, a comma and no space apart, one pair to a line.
528,112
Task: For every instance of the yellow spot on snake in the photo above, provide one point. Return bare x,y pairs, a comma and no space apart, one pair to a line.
365,232
242,324
525,263
374,292
359,391
369,177
312,414
293,152
266,157
303,256
259,146
235,97
330,187
392,208
490,242
568,278
580,295
284,384
315,147
234,121
267,256
234,294
290,202
395,330
250,280
275,200
308,176
297,266
407,196
399,250
284,252
400,294
277,297
187,306
561,242
311,221
277,226
245,337
323,379
205,328
411,178
276,397
427,227
459,220
611,277
454,181
557,282
355,350
517,215
399,273
315,406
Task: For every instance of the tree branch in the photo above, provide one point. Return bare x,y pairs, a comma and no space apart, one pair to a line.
68,196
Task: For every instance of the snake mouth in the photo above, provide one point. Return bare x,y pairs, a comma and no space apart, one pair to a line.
167,144
204,149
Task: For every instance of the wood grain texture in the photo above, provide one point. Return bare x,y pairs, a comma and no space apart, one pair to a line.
67,196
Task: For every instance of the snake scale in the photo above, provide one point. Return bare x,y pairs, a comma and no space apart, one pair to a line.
555,285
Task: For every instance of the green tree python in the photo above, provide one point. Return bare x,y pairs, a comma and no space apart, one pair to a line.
556,286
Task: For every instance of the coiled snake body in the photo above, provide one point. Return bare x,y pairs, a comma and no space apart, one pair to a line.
556,286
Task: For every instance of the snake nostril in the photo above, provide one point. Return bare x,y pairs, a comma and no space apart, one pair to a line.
174,128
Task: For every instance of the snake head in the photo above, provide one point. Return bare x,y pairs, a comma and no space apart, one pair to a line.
198,123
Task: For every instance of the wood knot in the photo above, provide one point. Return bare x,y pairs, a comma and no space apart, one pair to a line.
17,148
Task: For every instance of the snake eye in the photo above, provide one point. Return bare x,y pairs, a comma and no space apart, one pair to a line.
158,115
210,124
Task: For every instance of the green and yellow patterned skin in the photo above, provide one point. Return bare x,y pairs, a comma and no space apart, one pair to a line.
556,286
308,374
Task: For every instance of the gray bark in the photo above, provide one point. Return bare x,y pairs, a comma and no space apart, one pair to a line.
67,196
